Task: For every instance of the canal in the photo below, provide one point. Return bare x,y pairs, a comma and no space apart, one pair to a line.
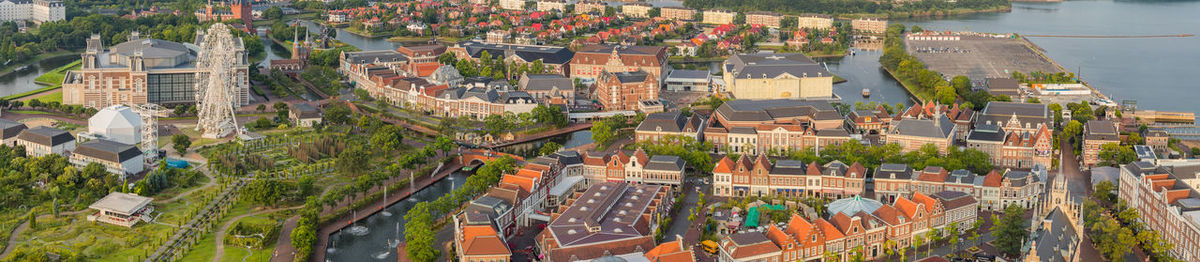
384,229
21,81
530,149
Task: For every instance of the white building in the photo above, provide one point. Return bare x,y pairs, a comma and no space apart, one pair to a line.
38,11
40,141
117,123
121,209
117,158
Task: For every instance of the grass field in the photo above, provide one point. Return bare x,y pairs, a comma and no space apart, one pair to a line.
56,77
56,96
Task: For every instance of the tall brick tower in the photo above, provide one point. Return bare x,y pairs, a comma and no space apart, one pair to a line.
241,10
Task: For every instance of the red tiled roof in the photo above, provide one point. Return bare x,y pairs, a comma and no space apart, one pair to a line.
670,252
725,165
929,202
831,232
482,240
993,179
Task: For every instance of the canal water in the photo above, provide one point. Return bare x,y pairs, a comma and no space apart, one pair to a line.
530,149
383,232
22,81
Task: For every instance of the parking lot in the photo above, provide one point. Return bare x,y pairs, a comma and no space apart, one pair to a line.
979,57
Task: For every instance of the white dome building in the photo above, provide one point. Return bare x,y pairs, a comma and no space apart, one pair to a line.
117,123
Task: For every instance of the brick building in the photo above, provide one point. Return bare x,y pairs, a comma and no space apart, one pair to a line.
626,90
790,178
1166,201
593,60
757,126
1096,133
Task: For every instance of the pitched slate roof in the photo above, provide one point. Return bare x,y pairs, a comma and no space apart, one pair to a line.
46,136
548,54
766,110
665,163
107,150
941,127
545,82
770,65
670,122
893,171
749,244
10,129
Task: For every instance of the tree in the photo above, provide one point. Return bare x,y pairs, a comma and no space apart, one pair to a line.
387,138
33,220
952,231
303,237
272,13
603,133
1111,239
1104,192
654,12
549,148
264,191
353,160
1010,231
1113,154
961,83
181,143
261,108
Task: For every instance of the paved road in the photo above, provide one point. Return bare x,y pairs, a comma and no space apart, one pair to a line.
1078,181
680,223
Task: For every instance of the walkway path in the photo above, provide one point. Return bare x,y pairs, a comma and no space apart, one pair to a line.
183,239
225,228
211,181
12,239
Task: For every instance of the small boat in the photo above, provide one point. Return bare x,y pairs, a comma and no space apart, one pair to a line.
866,92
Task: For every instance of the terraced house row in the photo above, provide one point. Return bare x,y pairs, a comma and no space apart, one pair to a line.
758,176
855,226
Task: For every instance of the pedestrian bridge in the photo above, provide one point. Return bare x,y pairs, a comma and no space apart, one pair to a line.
474,157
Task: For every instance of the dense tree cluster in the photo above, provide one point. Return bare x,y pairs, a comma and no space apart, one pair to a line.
872,156
32,181
842,6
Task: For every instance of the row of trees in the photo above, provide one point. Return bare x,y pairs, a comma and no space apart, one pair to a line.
542,115
493,65
872,156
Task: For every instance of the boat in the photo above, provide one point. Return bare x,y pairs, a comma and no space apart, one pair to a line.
866,92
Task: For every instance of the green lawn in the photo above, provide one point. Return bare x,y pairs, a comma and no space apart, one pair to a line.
56,76
56,96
